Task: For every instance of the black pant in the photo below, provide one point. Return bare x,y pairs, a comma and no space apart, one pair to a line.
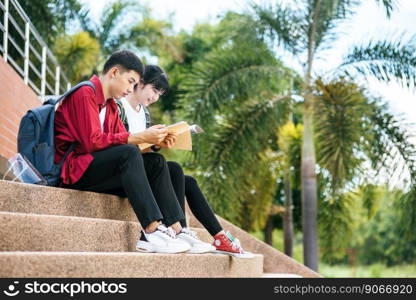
185,185
143,178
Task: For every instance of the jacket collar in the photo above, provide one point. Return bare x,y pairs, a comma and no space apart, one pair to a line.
99,94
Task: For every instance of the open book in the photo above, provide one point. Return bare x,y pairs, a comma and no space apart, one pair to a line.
183,132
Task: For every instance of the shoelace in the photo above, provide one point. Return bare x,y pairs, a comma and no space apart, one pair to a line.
168,231
189,232
235,243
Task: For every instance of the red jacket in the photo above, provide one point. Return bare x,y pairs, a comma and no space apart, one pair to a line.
77,120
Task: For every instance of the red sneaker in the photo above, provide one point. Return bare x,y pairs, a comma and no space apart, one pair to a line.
227,244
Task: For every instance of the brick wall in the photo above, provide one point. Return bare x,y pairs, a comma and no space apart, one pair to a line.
16,99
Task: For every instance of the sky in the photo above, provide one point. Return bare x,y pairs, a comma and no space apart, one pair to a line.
369,21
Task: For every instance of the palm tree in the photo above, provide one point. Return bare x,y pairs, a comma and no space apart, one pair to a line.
79,53
355,135
303,30
233,84
82,53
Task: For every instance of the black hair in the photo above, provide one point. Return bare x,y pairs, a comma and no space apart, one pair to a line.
155,76
125,59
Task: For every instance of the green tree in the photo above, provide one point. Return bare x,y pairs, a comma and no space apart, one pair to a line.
114,27
305,29
355,135
79,54
236,92
52,18
290,141
83,53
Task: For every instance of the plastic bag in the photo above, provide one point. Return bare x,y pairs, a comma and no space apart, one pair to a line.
21,170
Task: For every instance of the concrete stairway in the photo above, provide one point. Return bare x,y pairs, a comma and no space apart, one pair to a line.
51,232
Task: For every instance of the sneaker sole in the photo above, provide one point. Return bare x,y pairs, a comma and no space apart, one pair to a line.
200,251
238,255
146,247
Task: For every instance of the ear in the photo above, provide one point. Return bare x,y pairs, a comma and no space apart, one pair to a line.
113,72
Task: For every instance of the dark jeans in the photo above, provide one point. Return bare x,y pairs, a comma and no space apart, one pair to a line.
143,178
185,185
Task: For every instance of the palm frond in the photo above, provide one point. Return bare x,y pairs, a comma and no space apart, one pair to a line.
336,218
78,53
84,18
339,110
284,25
389,5
325,15
370,196
391,149
110,22
258,194
391,142
407,214
385,60
229,76
233,150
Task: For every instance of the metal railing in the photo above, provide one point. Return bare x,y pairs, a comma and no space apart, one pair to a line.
24,49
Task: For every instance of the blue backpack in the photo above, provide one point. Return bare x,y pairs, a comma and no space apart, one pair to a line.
36,136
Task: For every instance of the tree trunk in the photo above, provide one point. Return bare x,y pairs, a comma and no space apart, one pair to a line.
268,231
287,216
309,191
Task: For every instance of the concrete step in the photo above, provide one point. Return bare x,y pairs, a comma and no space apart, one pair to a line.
121,264
35,199
274,261
33,232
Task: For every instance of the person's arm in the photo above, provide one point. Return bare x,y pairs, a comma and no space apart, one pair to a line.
84,118
153,135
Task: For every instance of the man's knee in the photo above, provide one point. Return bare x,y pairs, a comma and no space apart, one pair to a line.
129,151
175,168
190,181
157,159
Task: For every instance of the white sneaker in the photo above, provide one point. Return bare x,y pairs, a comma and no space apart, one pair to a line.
191,238
163,240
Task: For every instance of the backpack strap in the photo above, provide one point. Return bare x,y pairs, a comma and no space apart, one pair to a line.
70,91
55,102
69,150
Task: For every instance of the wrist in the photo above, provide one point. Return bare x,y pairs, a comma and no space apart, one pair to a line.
136,139
155,148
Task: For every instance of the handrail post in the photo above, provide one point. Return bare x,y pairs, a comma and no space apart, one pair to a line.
42,82
43,74
6,30
27,45
57,80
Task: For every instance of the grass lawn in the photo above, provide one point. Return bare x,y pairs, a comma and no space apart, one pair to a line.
374,270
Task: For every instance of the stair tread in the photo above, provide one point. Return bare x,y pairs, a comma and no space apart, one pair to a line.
21,231
116,264
41,200
44,200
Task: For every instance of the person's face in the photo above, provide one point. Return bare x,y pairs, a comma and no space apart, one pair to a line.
122,82
148,94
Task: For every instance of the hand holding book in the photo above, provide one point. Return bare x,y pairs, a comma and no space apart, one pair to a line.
179,134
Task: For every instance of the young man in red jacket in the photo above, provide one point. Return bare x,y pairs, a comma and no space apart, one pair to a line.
106,157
